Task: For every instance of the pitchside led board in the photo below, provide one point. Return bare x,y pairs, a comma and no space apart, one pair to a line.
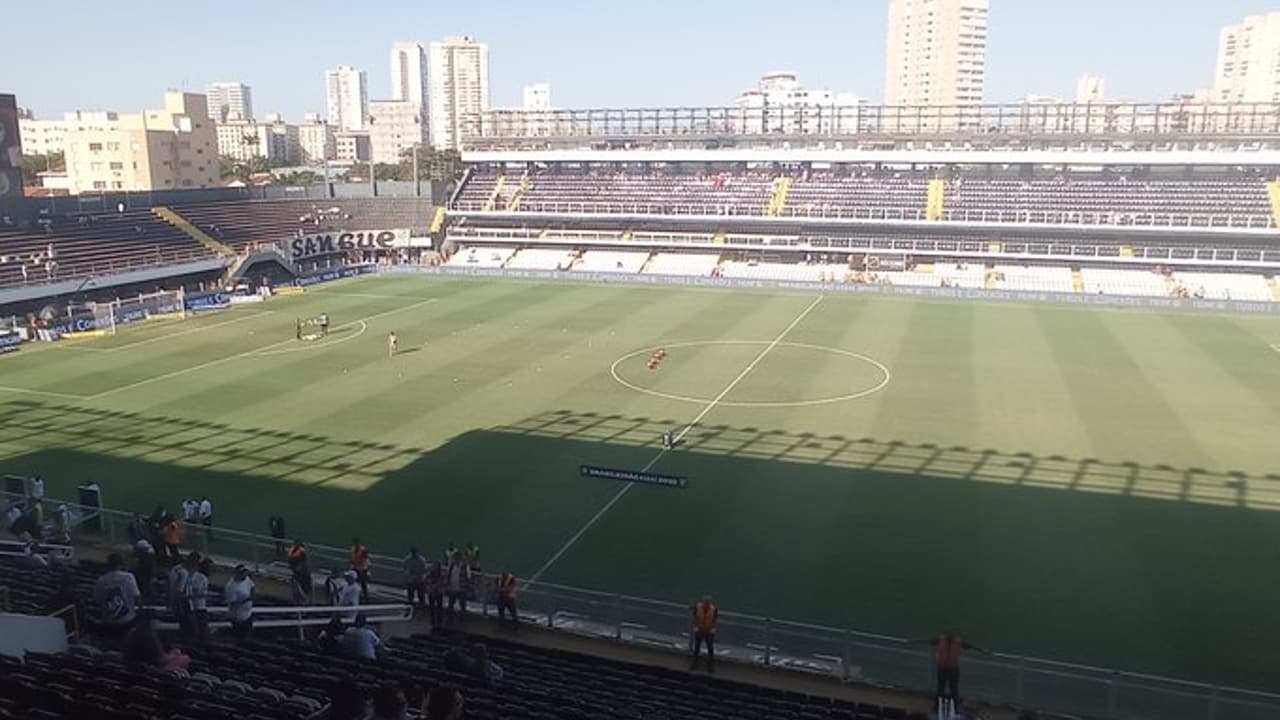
10,152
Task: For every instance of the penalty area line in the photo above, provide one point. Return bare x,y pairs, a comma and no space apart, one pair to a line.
1276,347
676,441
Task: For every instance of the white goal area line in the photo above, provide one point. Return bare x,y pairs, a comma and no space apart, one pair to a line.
676,441
1276,347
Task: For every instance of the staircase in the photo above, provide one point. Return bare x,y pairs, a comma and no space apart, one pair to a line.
168,215
437,219
778,202
719,237
936,202
1275,288
1077,280
1273,192
492,202
514,203
647,262
266,252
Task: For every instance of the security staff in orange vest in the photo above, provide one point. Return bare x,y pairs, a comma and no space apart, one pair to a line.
949,647
506,586
705,615
360,563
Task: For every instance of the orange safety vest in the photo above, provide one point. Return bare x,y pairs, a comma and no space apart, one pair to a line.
704,618
949,649
507,584
359,557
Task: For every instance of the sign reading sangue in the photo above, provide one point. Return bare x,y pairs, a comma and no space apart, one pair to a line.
342,241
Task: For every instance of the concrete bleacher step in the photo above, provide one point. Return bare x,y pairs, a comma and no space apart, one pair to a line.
168,215
492,202
1275,288
1273,194
1077,280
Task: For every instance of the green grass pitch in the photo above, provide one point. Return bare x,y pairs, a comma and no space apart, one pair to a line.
1086,484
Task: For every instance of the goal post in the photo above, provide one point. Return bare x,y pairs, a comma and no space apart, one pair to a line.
105,318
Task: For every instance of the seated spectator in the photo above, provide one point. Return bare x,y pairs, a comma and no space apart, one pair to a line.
116,595
390,703
348,701
330,638
143,646
486,670
360,641
444,703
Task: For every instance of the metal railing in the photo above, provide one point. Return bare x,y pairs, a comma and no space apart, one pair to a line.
891,214
843,653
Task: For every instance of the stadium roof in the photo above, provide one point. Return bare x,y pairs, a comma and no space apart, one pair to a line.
895,157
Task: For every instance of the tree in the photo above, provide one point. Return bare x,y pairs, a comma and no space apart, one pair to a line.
301,178
434,165
385,171
33,165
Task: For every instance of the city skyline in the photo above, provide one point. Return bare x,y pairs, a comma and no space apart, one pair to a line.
1145,52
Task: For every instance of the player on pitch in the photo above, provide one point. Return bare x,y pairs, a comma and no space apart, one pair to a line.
393,344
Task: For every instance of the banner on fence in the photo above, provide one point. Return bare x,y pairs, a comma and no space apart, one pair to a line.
635,476
10,342
328,243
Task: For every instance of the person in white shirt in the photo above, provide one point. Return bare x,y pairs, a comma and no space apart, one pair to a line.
238,594
189,508
206,516
116,595
360,641
198,600
37,488
349,592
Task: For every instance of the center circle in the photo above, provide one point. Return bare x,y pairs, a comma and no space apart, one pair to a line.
868,376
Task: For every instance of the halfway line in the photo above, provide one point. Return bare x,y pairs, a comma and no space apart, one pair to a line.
680,435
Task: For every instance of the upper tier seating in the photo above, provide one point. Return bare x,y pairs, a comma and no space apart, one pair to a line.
91,244
241,224
1089,200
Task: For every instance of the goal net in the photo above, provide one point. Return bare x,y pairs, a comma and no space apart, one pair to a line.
313,328
104,318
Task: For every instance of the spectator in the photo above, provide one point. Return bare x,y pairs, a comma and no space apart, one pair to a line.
444,703
143,646
705,617
415,577
950,647
330,638
360,564
436,582
390,702
205,511
275,525
360,641
198,597
471,553
300,572
190,511
138,530
179,579
155,523
238,595
116,596
171,536
505,584
485,669
144,568
37,488
348,701
459,583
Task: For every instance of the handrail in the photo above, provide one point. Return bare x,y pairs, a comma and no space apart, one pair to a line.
75,619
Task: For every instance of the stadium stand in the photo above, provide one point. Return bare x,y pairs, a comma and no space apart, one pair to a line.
541,259
481,257
793,272
697,264
1224,286
1033,278
1110,281
242,224
612,261
91,243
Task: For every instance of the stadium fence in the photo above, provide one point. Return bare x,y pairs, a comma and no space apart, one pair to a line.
843,653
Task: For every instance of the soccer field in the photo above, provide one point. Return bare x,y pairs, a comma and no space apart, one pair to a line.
1085,484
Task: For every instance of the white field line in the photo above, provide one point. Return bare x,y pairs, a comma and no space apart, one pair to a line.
43,393
246,353
1276,347
678,437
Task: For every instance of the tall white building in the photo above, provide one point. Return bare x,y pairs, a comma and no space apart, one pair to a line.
347,97
459,88
409,73
936,52
229,101
316,140
1090,89
1249,61
45,137
537,97
394,127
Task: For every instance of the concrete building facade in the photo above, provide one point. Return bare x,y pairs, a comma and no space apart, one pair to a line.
394,127
347,97
229,101
936,52
409,73
316,141
459,89
174,147
1248,68
45,137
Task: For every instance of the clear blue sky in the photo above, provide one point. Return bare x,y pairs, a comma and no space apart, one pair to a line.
122,55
